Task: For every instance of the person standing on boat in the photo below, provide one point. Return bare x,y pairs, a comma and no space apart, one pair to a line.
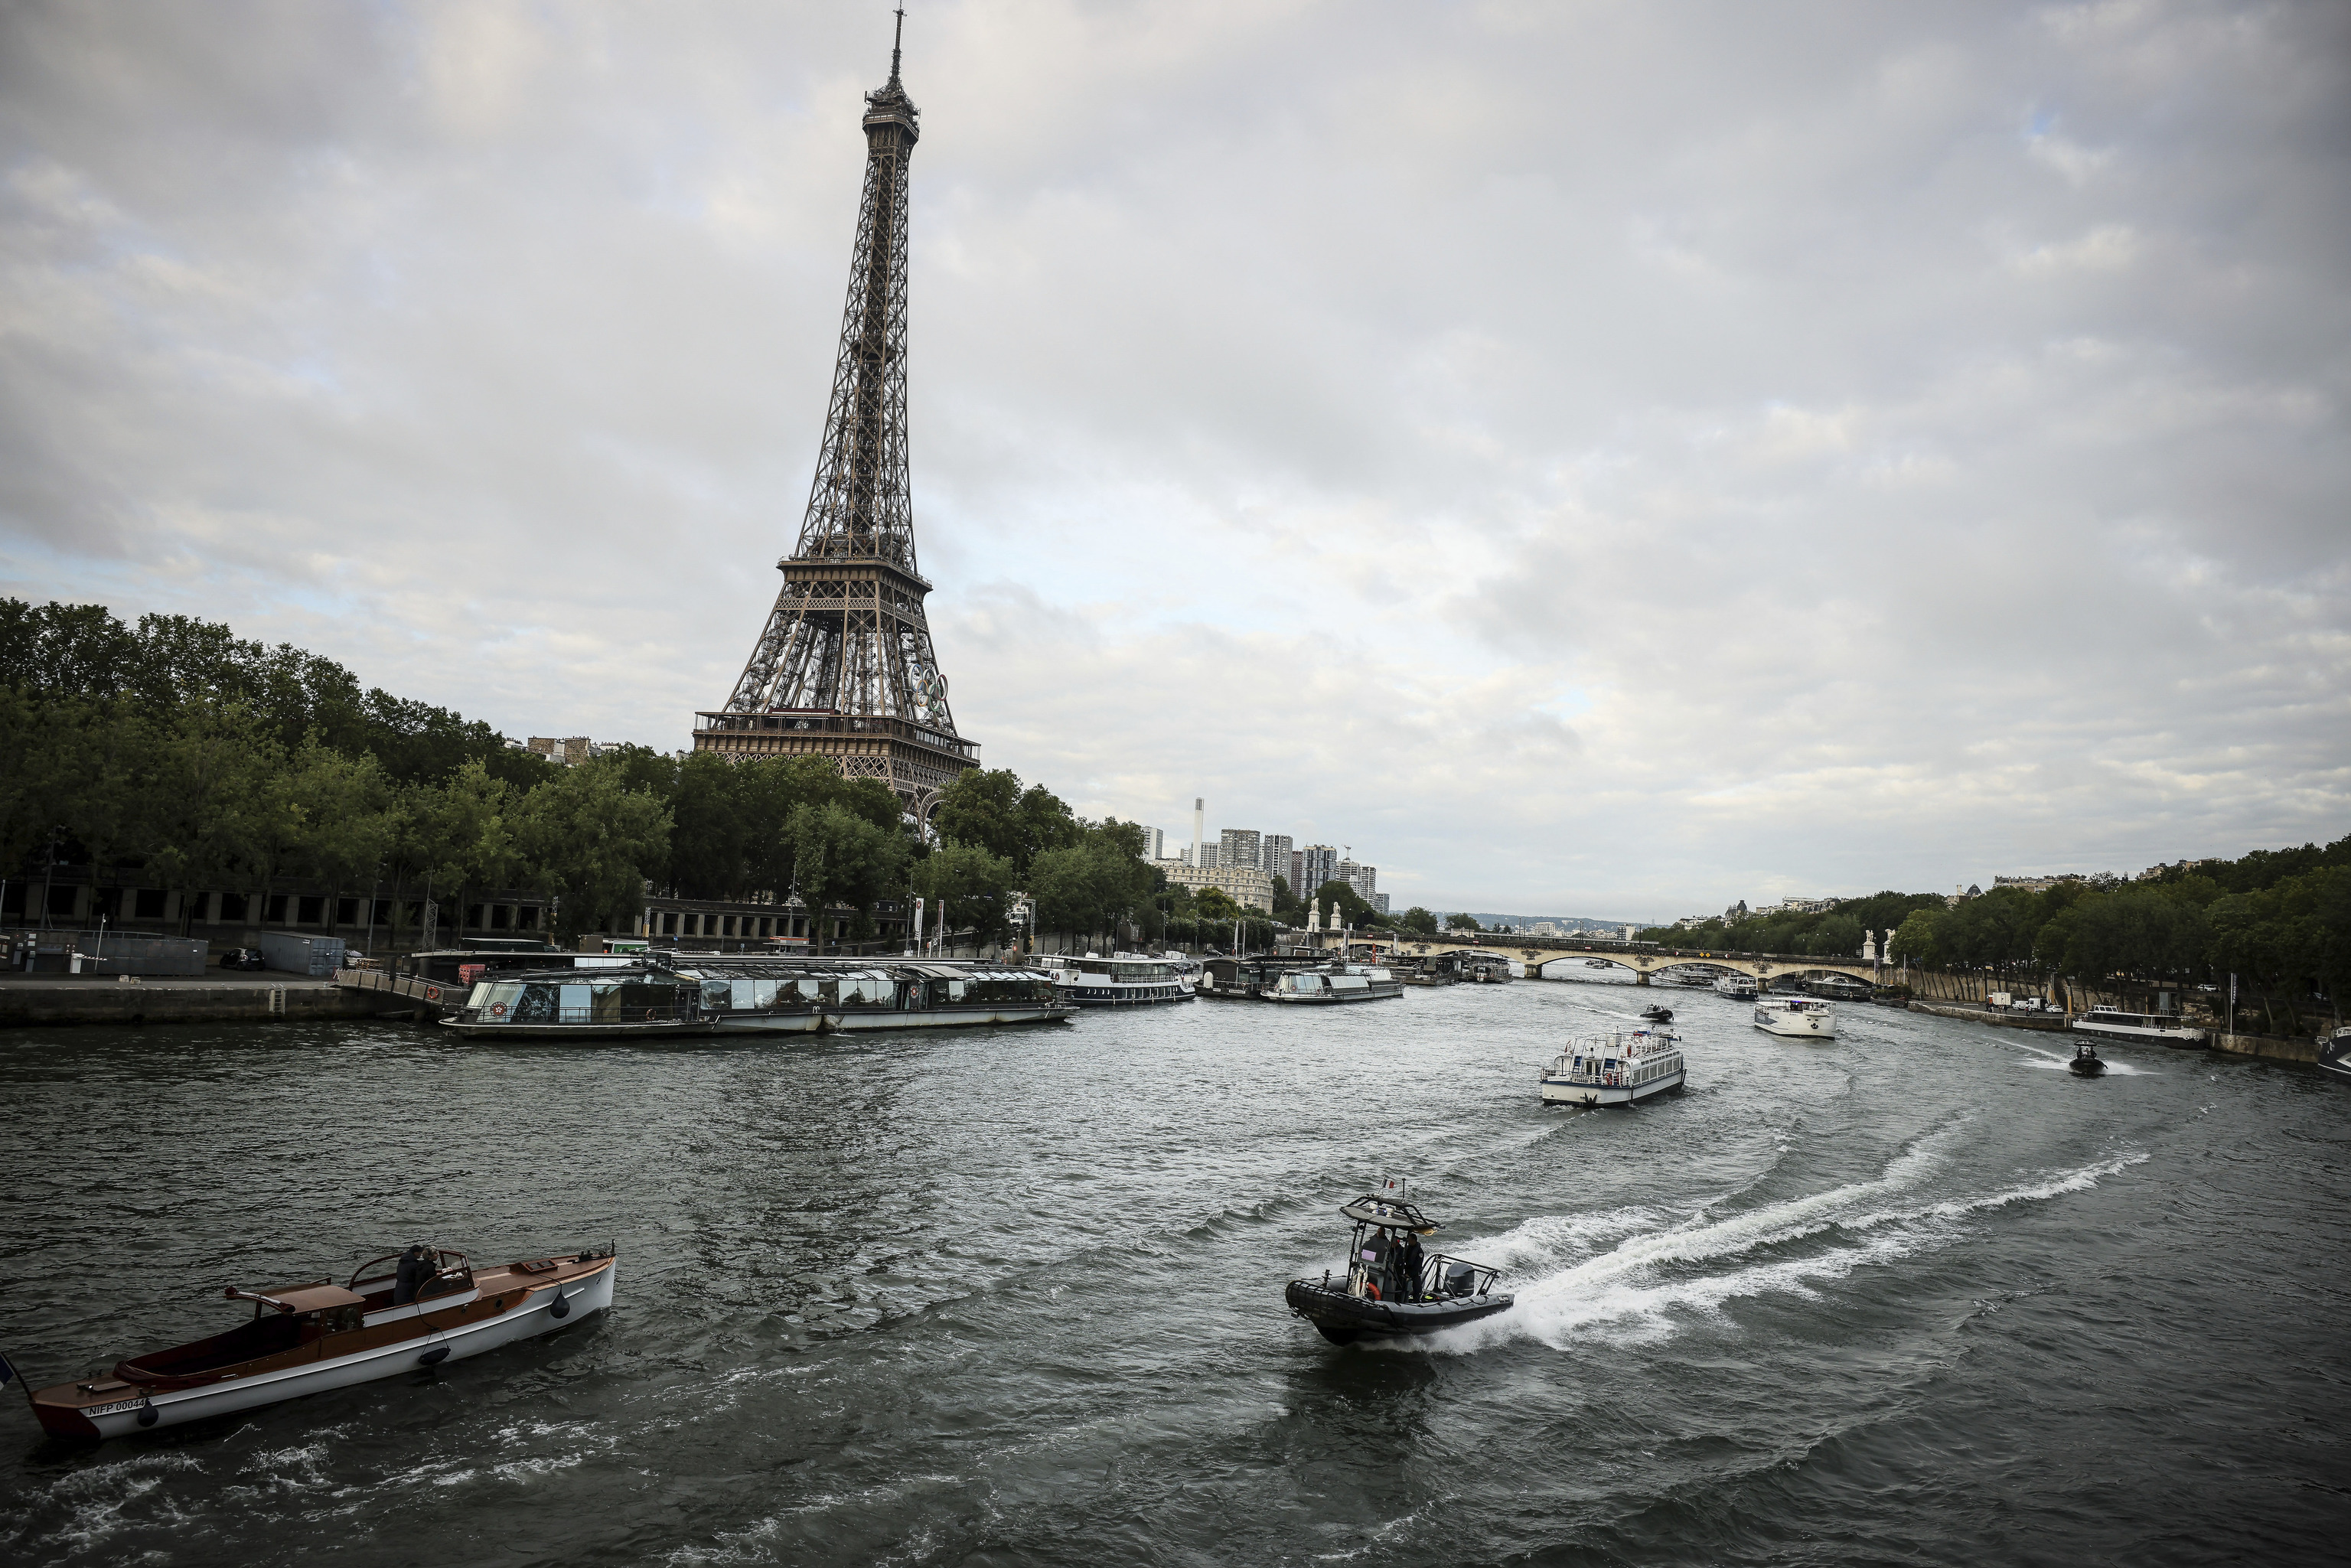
415,1269
1409,1263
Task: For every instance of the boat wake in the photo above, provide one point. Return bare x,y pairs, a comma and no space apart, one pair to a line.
1645,1284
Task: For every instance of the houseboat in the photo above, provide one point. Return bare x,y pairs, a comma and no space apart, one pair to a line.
1123,979
653,997
1339,983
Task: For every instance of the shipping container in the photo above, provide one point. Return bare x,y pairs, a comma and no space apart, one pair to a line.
299,953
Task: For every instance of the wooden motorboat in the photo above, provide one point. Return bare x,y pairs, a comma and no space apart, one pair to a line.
308,1338
1392,1287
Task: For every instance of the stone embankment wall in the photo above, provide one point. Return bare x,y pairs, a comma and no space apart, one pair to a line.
35,1004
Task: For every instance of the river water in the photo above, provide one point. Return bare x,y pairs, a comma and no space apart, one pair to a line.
1014,1297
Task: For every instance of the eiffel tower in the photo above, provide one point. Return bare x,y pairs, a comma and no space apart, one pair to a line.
844,667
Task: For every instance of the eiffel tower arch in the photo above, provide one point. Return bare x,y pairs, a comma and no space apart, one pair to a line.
844,668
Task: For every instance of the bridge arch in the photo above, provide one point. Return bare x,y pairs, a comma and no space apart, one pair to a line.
1534,955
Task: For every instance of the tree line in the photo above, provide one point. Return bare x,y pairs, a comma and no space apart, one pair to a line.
2280,920
173,752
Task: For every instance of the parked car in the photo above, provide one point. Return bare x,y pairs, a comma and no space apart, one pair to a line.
243,958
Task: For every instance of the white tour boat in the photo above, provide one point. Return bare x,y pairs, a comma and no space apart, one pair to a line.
1340,983
1620,1069
2168,1027
1123,979
1738,987
1796,1016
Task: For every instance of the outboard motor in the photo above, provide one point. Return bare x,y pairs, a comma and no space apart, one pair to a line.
1459,1278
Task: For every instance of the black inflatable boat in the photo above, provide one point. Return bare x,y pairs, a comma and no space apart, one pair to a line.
1392,1287
2085,1063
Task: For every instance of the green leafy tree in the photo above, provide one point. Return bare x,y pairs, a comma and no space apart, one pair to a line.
967,888
1460,922
1215,906
213,767
1418,920
844,857
467,842
990,808
586,839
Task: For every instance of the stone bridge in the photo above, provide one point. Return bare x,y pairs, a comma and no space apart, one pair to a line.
1535,952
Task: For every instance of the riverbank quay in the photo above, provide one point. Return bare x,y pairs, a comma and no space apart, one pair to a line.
2267,1047
2004,1018
41,1001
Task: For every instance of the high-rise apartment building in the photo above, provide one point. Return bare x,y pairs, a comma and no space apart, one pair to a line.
1317,863
1274,854
1364,879
1238,847
1154,844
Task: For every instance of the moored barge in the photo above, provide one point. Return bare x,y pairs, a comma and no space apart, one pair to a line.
654,997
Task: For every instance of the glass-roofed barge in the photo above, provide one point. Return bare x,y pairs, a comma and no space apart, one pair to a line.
656,996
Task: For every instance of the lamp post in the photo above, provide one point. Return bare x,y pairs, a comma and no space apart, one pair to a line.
372,893
50,881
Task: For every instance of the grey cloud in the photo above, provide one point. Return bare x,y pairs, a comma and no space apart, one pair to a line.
1609,457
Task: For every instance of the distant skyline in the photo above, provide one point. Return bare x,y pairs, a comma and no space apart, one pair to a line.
1603,456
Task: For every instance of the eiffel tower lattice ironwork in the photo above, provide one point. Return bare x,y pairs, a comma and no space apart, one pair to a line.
844,666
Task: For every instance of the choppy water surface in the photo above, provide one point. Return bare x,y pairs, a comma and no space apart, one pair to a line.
1014,1297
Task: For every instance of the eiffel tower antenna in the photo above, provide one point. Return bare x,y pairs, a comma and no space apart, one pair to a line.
844,667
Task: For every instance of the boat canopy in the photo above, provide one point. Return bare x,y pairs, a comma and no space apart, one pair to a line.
1388,1212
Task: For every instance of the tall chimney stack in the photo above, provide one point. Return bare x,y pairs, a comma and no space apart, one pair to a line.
1199,829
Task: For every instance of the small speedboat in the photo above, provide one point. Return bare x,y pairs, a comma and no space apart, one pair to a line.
2085,1063
1657,1014
1393,1288
423,1307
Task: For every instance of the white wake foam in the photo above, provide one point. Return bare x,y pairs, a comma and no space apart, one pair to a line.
1639,1286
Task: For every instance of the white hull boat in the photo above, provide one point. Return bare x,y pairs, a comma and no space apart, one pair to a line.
2165,1029
1801,1017
1621,1069
1121,981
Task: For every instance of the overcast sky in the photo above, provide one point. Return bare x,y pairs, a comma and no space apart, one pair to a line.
1591,458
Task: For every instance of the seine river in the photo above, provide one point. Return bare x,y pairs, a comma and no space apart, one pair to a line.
1913,1296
